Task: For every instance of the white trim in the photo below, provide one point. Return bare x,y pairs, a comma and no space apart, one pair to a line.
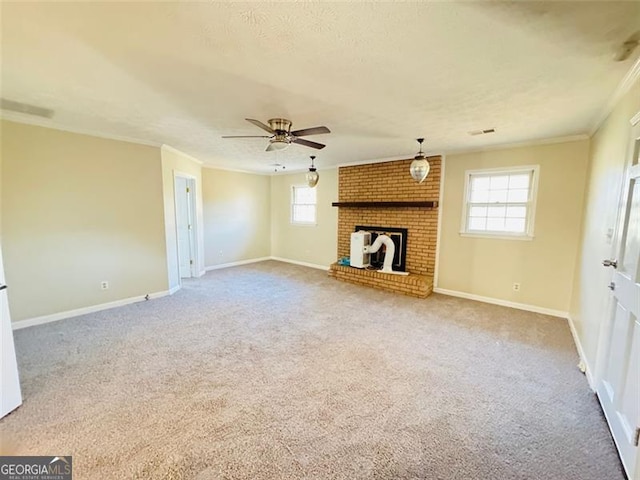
436,271
178,173
496,236
237,170
581,354
181,153
46,123
635,119
236,264
526,143
174,289
504,303
54,317
623,87
384,160
303,264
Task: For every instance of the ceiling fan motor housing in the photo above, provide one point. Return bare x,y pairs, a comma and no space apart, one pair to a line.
280,125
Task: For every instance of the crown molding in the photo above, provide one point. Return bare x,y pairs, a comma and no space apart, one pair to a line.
237,170
397,158
46,123
529,143
625,85
171,149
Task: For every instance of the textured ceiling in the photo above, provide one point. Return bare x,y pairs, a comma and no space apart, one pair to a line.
377,74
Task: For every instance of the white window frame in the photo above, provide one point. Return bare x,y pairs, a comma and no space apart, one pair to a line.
534,170
315,206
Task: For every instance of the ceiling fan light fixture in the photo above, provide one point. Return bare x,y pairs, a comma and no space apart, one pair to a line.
278,144
420,167
312,175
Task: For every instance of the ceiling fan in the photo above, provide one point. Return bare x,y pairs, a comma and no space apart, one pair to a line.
282,136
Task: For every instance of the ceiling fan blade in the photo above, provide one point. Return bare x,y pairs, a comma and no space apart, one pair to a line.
310,131
308,143
246,136
261,125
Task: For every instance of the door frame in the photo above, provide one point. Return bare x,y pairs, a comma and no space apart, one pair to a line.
192,183
603,338
605,331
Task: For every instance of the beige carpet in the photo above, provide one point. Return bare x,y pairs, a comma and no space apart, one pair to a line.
274,371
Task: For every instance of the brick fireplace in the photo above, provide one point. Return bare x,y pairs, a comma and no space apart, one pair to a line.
385,194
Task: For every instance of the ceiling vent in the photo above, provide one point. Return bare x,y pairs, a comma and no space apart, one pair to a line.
473,133
19,107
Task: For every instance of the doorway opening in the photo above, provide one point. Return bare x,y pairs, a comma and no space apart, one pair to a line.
186,224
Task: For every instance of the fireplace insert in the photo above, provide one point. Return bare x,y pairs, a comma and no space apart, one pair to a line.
399,237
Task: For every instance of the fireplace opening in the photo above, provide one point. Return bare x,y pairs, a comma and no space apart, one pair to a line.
399,237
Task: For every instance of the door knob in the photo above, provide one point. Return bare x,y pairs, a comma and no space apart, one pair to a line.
610,263
611,286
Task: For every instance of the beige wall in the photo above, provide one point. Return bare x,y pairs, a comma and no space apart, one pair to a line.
237,216
543,266
606,166
77,210
175,163
310,244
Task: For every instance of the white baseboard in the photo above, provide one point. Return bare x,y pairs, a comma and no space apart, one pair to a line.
304,264
54,317
235,264
583,357
504,303
174,289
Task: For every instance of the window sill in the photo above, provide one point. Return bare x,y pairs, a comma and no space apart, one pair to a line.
304,224
497,236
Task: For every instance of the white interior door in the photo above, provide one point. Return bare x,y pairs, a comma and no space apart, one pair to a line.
618,386
184,226
10,395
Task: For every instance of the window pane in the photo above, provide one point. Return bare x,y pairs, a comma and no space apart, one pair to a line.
516,212
480,196
477,223
515,225
304,213
495,224
480,183
499,182
304,205
497,211
631,252
518,195
304,195
519,181
498,196
478,212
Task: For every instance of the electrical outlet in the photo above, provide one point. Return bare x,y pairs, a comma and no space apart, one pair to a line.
104,285
516,287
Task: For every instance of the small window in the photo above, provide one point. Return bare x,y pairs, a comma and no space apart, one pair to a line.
500,202
303,205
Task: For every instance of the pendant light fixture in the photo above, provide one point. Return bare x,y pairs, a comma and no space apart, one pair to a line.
420,166
312,174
